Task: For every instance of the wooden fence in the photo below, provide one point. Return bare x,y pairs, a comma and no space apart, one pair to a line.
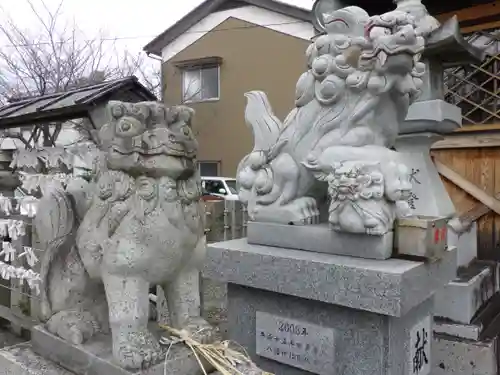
225,220
480,167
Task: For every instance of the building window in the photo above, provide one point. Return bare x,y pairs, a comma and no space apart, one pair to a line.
200,83
209,168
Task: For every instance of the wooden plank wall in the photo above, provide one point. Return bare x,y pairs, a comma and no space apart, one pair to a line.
475,18
482,167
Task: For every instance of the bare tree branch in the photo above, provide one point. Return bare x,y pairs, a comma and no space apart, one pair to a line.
53,55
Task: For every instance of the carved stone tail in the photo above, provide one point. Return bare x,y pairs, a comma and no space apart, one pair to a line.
55,233
266,127
266,130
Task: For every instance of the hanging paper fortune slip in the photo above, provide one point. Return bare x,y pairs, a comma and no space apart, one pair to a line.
30,256
5,205
8,252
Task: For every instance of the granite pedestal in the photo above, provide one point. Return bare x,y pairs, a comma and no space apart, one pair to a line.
300,312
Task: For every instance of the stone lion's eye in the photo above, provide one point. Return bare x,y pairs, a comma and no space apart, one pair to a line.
129,127
117,111
186,131
125,126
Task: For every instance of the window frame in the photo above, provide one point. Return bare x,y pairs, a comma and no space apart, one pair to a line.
199,68
216,162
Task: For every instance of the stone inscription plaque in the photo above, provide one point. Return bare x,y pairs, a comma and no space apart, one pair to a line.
420,347
299,344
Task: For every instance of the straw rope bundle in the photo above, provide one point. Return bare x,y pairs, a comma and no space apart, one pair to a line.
224,359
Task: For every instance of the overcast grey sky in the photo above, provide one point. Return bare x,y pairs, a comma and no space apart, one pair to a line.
136,22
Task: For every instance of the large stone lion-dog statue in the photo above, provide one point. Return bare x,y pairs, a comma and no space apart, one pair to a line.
363,73
137,223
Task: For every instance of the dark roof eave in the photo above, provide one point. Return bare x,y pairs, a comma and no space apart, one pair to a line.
206,8
132,84
138,87
54,115
99,93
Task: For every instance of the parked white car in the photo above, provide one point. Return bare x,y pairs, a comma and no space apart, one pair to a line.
222,187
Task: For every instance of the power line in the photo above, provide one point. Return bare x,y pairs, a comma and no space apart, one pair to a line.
149,36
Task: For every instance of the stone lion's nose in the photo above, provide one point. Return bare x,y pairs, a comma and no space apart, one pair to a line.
136,141
149,140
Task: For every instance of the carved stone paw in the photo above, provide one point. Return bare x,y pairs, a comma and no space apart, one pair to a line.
301,211
136,350
73,325
305,210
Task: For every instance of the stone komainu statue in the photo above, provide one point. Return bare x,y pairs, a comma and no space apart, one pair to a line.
137,223
363,74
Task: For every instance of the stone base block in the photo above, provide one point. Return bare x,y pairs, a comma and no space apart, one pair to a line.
302,312
461,299
360,342
22,360
247,370
95,357
321,239
462,331
452,356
